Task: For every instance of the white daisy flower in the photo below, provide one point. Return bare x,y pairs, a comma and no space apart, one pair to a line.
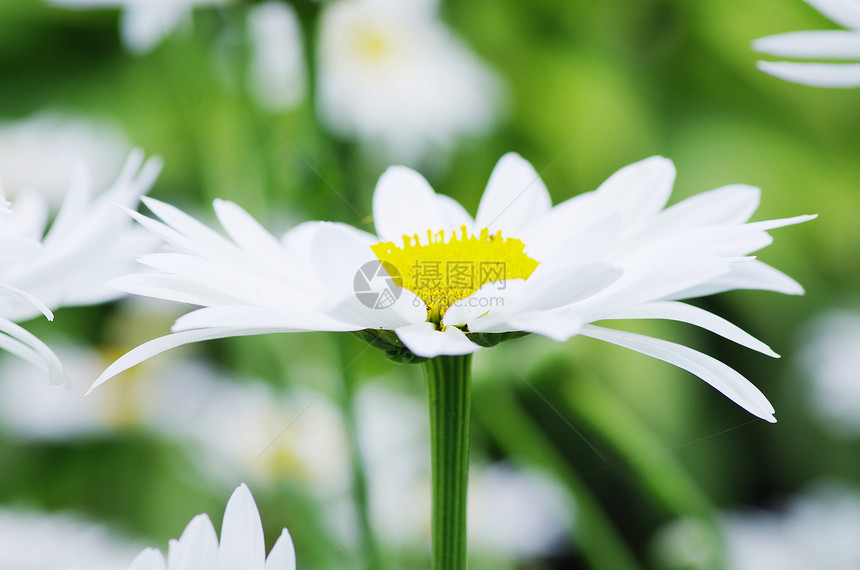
436,281
392,75
829,44
242,543
89,243
144,23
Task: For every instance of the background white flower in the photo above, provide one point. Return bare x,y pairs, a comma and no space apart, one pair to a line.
145,23
827,45
43,152
392,75
277,76
830,360
242,543
89,242
816,529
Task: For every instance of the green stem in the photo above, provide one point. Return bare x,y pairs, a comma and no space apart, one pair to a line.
449,399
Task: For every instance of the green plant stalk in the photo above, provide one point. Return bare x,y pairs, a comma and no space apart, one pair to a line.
449,398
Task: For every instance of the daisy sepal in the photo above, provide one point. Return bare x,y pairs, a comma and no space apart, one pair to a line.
726,380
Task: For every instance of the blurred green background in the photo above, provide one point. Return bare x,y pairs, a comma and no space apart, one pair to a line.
590,87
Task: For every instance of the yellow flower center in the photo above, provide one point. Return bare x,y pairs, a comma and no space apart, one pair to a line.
442,272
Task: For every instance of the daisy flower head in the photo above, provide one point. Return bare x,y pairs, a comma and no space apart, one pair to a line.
242,543
839,45
67,262
393,76
144,23
435,281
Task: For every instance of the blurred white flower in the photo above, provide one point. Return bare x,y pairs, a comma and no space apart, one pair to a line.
42,153
89,242
144,23
392,75
817,529
521,265
34,540
234,429
830,360
511,512
277,75
242,543
828,44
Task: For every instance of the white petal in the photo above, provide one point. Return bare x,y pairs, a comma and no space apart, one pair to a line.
567,285
144,25
844,12
425,341
752,274
249,234
729,205
158,345
640,189
242,542
283,554
815,74
729,382
250,317
404,204
514,199
557,326
10,291
337,256
170,288
695,316
149,559
196,548
186,225
490,296
835,44
372,312
25,345
454,214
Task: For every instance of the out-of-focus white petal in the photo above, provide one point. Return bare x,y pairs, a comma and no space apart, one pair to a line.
515,198
727,381
149,559
695,316
424,340
843,12
832,44
144,24
404,204
242,542
196,548
283,554
24,344
815,74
